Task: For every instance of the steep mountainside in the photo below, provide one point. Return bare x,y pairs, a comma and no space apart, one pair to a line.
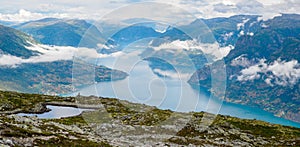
137,32
227,30
13,42
181,48
27,66
49,77
263,70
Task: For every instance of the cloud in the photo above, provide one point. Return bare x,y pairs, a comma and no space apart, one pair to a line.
207,48
172,74
279,72
241,61
242,24
53,53
23,15
9,60
20,11
223,8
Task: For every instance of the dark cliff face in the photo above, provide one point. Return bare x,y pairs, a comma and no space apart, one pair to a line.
277,42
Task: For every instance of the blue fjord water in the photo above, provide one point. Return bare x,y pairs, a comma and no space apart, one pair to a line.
143,86
174,93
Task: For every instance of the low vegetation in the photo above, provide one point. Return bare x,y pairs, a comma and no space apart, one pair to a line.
116,123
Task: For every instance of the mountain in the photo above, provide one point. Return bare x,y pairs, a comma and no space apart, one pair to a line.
156,127
153,42
28,66
14,42
137,32
61,32
127,36
7,23
226,30
263,69
50,77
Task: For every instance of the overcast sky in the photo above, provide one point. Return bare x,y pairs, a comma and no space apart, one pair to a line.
19,10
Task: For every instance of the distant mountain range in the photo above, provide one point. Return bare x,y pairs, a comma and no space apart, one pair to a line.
262,56
130,34
61,32
262,65
28,66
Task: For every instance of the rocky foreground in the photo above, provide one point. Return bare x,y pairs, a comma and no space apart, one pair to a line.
119,123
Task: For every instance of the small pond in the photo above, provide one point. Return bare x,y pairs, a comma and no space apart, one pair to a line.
58,112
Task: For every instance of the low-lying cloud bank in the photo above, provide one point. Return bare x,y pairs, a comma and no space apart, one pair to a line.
279,72
210,49
51,54
172,74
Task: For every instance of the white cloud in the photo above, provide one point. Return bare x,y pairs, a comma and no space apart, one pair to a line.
53,53
269,81
242,24
287,72
14,10
252,72
240,61
271,2
250,33
283,73
226,36
171,74
24,15
104,46
207,48
9,60
242,33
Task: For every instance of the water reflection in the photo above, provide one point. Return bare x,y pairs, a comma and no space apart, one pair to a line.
58,112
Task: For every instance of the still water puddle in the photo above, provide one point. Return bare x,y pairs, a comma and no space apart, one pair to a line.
58,112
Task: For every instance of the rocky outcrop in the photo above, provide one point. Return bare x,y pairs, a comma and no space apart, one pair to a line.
120,123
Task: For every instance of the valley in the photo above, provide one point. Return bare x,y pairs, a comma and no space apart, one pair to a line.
225,81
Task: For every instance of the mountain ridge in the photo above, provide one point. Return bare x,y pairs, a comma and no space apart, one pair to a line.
28,66
62,32
14,42
262,70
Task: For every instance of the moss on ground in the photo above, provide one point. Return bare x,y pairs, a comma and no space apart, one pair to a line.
10,101
223,127
65,142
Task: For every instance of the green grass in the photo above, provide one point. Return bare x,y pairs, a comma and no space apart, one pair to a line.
64,142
